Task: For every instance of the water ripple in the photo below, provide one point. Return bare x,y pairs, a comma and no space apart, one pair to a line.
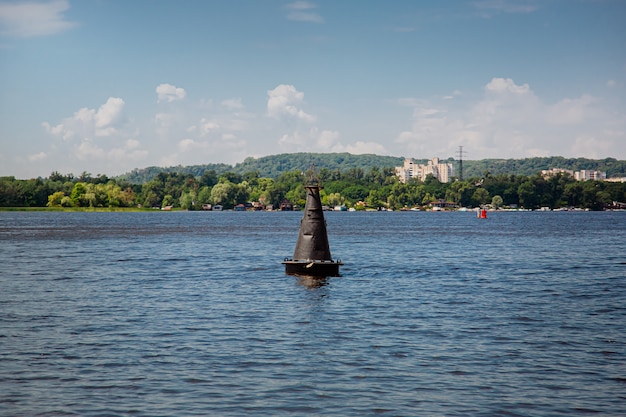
190,314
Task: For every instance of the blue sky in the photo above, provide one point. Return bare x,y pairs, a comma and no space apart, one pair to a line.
105,86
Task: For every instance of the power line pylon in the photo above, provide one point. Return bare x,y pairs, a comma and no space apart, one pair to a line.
460,154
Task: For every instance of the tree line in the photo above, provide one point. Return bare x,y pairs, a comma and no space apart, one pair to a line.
273,166
355,187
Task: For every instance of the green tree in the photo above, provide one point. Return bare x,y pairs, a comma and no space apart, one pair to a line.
224,193
209,178
78,193
427,199
335,199
168,200
461,193
55,199
187,200
480,197
497,201
528,196
204,195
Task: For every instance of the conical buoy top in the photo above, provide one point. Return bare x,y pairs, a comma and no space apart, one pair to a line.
312,241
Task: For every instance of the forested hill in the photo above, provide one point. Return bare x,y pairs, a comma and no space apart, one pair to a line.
274,165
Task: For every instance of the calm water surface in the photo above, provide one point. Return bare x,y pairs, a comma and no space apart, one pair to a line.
191,314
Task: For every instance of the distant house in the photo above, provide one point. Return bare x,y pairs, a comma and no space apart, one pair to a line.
207,207
240,207
443,204
286,205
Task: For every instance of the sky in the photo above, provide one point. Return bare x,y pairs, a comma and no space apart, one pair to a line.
106,86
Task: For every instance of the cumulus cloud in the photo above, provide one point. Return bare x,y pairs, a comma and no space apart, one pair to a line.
99,139
309,139
103,122
506,85
129,151
511,121
282,101
34,18
200,150
324,140
109,116
106,121
303,11
168,93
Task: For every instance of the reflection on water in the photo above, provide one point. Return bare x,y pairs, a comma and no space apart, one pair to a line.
311,282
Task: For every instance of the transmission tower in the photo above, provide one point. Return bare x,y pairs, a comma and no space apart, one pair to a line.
460,154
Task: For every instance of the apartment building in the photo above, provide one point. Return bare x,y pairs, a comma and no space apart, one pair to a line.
442,171
582,175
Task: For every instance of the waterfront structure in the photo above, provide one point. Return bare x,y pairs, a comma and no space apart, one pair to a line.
442,171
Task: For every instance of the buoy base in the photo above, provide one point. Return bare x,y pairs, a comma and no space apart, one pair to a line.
313,268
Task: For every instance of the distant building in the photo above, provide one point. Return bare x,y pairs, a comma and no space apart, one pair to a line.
582,175
286,205
555,171
586,175
442,171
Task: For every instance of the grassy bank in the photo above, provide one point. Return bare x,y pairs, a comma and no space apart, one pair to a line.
78,209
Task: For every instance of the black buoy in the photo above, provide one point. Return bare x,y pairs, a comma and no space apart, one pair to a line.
312,253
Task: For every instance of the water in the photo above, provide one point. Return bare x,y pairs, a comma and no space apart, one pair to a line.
191,314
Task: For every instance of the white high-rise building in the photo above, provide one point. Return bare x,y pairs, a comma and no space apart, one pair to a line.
442,171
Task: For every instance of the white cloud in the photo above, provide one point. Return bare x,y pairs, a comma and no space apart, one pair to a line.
506,85
104,122
87,149
303,11
282,101
163,122
97,139
309,140
510,121
232,104
360,147
109,116
571,111
130,150
34,18
186,145
37,157
197,151
208,126
168,93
